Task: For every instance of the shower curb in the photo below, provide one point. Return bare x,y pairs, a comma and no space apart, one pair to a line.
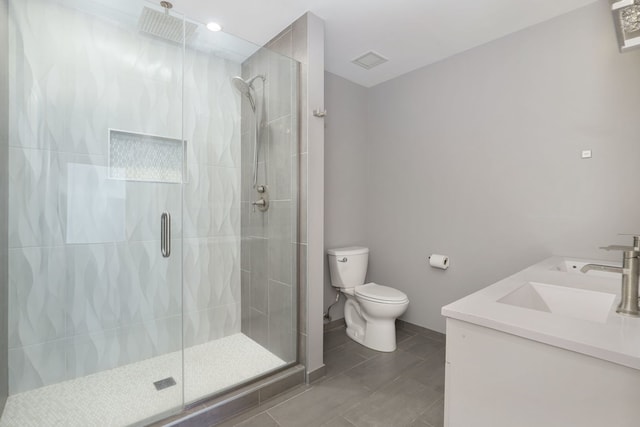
218,410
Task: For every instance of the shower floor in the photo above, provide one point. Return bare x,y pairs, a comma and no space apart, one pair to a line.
127,395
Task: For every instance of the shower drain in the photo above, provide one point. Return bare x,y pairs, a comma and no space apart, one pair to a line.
165,383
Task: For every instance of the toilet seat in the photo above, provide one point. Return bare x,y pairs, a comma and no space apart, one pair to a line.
380,294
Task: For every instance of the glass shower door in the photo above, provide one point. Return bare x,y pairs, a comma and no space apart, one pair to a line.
240,281
95,248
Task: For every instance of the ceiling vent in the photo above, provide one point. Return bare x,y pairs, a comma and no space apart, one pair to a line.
370,60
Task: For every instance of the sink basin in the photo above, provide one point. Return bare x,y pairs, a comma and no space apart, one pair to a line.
563,301
574,266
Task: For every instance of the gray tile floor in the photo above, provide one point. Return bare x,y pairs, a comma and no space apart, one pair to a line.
364,387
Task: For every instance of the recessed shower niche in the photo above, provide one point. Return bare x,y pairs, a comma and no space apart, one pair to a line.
140,157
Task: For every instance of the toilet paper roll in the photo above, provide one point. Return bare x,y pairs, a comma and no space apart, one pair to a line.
439,261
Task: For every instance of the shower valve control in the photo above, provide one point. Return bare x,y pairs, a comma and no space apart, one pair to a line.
262,204
261,189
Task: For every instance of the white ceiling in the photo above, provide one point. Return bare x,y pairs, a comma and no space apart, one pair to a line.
410,33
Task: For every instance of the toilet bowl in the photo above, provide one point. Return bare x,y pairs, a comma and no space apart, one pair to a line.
371,309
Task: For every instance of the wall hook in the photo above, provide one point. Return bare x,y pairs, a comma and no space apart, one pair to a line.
320,113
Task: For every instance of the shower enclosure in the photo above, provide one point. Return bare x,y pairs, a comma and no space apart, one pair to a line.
152,212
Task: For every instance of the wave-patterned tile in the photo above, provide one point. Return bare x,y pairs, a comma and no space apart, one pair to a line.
145,202
198,196
211,273
211,324
94,297
226,203
97,286
39,195
37,365
95,352
150,286
64,73
37,295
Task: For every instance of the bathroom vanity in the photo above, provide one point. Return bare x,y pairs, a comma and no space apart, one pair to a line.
543,347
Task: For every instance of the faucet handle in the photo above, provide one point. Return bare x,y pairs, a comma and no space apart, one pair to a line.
636,240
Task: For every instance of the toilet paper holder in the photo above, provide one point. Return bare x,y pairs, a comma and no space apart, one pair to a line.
439,261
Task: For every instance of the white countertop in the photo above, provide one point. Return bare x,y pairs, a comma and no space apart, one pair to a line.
616,340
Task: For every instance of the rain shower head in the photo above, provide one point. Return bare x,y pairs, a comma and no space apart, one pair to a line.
164,25
245,86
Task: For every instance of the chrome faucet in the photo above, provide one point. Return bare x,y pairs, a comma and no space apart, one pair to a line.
630,271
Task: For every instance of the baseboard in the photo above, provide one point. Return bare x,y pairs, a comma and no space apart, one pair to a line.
401,324
334,324
316,374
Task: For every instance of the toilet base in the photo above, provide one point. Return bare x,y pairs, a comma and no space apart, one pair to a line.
380,337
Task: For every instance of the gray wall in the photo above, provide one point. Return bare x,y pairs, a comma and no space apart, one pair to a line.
315,188
345,177
4,222
478,157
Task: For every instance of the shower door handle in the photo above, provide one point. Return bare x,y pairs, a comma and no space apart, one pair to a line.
165,234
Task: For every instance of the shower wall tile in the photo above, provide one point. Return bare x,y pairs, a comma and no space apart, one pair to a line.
212,201
37,295
258,222
280,254
280,320
271,258
281,72
149,284
66,74
259,274
259,328
226,201
245,308
211,324
86,267
38,194
280,171
145,201
211,273
37,365
94,301
197,194
245,246
121,285
108,349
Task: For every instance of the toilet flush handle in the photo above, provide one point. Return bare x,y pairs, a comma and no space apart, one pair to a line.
344,259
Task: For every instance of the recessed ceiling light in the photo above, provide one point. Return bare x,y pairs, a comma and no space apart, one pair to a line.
214,26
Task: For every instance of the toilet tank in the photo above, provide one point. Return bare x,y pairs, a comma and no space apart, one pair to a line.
348,266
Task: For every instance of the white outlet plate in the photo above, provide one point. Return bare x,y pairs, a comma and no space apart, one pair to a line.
586,154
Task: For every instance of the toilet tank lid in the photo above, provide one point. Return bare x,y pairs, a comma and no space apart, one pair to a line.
351,250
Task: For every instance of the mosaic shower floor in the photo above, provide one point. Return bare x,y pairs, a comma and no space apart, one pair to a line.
127,395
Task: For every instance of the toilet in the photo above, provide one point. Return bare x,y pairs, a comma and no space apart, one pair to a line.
371,309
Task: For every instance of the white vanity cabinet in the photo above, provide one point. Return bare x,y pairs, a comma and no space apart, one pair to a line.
542,359
495,379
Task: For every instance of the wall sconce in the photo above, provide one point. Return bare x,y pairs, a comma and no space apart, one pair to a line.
626,14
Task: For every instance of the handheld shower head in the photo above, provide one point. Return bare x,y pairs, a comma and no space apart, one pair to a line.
245,86
245,89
